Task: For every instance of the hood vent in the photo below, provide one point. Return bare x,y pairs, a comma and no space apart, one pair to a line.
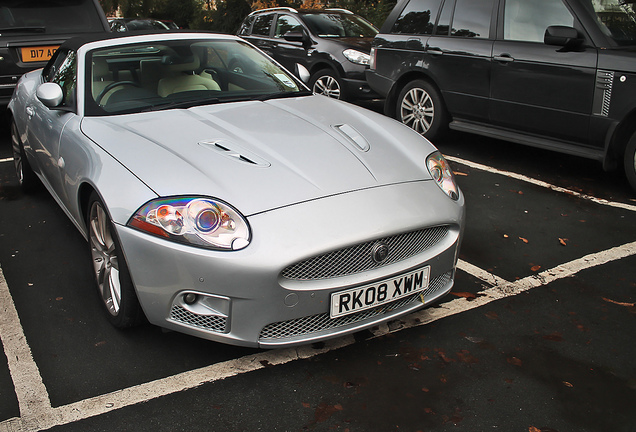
354,136
235,152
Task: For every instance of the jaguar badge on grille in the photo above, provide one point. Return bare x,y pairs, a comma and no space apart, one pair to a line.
380,253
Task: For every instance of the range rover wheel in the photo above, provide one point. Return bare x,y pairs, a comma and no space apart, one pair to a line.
26,177
111,272
630,161
326,82
420,107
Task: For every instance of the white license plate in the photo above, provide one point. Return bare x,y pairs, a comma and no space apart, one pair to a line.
366,297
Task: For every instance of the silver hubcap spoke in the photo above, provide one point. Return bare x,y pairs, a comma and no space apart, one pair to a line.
417,110
17,153
328,86
105,259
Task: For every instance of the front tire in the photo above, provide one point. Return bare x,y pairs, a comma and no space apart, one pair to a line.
114,283
326,82
27,179
630,161
420,107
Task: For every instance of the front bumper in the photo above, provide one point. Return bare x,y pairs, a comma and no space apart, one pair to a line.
243,299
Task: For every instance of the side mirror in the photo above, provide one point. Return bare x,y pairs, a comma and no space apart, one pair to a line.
566,37
295,36
50,94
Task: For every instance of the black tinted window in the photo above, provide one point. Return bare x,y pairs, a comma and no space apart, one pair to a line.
527,20
443,24
418,17
472,18
287,24
262,25
48,17
246,26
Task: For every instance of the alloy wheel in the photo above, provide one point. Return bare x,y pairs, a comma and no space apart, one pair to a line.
417,110
105,260
328,86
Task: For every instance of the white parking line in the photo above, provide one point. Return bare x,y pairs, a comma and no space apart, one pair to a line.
541,183
6,160
36,412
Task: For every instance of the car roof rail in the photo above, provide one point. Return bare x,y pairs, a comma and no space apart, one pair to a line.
288,9
339,10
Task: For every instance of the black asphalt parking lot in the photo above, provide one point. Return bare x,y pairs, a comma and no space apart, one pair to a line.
538,334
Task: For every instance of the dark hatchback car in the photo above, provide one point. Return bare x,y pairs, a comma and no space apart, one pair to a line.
328,49
136,24
31,31
555,74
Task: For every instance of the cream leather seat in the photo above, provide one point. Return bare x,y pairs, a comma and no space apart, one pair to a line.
180,76
101,76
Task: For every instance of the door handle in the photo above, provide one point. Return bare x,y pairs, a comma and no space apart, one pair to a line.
504,58
434,50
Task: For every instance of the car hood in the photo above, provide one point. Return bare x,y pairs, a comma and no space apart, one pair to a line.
259,156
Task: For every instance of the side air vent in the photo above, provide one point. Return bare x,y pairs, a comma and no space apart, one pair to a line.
235,152
603,92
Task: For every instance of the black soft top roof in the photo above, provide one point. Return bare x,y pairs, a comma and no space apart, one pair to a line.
76,42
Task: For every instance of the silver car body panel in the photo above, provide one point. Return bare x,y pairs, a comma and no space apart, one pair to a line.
311,174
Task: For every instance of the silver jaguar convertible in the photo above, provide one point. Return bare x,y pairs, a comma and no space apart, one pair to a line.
220,198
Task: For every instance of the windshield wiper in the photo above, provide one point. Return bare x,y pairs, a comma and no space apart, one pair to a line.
23,30
182,104
281,95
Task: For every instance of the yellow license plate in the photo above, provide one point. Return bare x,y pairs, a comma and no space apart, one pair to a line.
38,53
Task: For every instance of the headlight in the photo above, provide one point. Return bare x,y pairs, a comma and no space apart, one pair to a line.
442,174
204,222
357,57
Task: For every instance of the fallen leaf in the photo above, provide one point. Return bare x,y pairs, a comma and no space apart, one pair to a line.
492,315
563,241
306,405
465,295
59,298
535,268
567,384
554,337
533,429
457,173
523,239
514,361
505,235
619,303
465,356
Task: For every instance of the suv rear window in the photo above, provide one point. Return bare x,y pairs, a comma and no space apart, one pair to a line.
49,17
418,17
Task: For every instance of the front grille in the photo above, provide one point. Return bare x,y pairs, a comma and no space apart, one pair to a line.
357,259
206,322
315,323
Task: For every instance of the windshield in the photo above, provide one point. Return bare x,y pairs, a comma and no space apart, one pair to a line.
617,19
181,74
49,17
339,25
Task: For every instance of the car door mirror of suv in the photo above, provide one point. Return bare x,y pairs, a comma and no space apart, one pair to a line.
567,37
295,36
50,94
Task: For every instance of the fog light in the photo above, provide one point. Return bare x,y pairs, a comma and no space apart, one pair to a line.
190,298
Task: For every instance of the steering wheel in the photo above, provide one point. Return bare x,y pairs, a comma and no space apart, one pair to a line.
111,86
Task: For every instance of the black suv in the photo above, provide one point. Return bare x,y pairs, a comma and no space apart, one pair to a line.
555,74
31,31
327,49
